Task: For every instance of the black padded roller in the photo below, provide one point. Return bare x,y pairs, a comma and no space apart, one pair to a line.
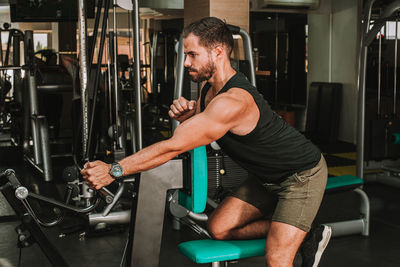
234,29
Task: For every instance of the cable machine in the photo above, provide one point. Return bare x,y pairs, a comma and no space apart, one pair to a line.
377,143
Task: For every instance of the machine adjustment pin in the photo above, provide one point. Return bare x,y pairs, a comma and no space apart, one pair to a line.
21,192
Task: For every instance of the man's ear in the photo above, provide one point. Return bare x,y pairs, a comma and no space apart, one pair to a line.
219,51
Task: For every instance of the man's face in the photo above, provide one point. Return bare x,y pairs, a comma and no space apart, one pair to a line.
198,59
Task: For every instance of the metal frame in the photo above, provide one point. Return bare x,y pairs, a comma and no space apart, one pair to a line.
150,211
83,73
29,222
358,226
41,149
367,36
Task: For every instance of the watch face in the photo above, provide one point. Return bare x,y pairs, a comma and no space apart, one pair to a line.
116,170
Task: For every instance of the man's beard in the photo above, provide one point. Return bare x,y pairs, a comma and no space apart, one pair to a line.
204,73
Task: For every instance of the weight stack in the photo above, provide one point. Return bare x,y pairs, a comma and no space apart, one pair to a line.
381,139
223,174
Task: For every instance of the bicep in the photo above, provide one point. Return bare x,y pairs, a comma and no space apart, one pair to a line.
214,122
199,130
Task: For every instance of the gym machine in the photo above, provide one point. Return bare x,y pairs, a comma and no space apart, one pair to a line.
223,173
88,107
10,87
211,251
41,149
33,125
377,136
26,125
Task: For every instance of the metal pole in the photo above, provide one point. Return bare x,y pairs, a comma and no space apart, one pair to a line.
33,102
118,124
97,77
135,23
276,59
10,34
44,142
109,93
131,123
17,62
127,256
361,90
95,31
153,73
248,54
114,112
179,72
166,57
361,114
83,73
395,69
1,49
379,74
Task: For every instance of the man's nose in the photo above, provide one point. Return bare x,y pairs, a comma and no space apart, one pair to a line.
187,63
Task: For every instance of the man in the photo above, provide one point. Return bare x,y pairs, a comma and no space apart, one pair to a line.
287,173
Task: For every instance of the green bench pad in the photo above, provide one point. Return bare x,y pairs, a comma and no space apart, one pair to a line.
343,182
207,250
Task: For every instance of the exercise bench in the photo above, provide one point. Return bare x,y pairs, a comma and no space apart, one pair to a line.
218,251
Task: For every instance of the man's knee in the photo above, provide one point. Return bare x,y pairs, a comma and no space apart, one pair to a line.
217,230
277,258
283,241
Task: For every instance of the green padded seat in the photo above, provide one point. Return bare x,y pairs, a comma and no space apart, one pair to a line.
207,250
343,182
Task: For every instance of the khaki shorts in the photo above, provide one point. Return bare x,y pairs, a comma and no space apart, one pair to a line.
294,201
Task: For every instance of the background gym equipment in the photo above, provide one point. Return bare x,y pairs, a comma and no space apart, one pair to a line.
11,88
85,200
30,228
323,112
378,123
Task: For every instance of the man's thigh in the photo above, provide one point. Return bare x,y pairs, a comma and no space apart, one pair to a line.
300,197
233,213
257,195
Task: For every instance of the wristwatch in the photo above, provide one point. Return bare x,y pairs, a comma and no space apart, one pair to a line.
116,170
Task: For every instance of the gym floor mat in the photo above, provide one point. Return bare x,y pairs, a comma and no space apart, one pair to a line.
341,163
347,155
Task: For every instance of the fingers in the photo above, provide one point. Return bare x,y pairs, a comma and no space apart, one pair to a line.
171,114
175,112
180,106
96,174
92,164
191,104
91,186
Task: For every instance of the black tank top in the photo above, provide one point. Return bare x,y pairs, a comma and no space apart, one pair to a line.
273,150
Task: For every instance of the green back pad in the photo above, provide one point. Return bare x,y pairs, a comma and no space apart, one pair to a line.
196,202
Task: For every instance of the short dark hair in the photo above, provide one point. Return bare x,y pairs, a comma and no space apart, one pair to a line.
211,31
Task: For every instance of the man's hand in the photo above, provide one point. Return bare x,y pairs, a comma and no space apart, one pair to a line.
182,109
97,174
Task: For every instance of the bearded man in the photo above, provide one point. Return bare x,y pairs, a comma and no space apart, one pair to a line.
287,173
